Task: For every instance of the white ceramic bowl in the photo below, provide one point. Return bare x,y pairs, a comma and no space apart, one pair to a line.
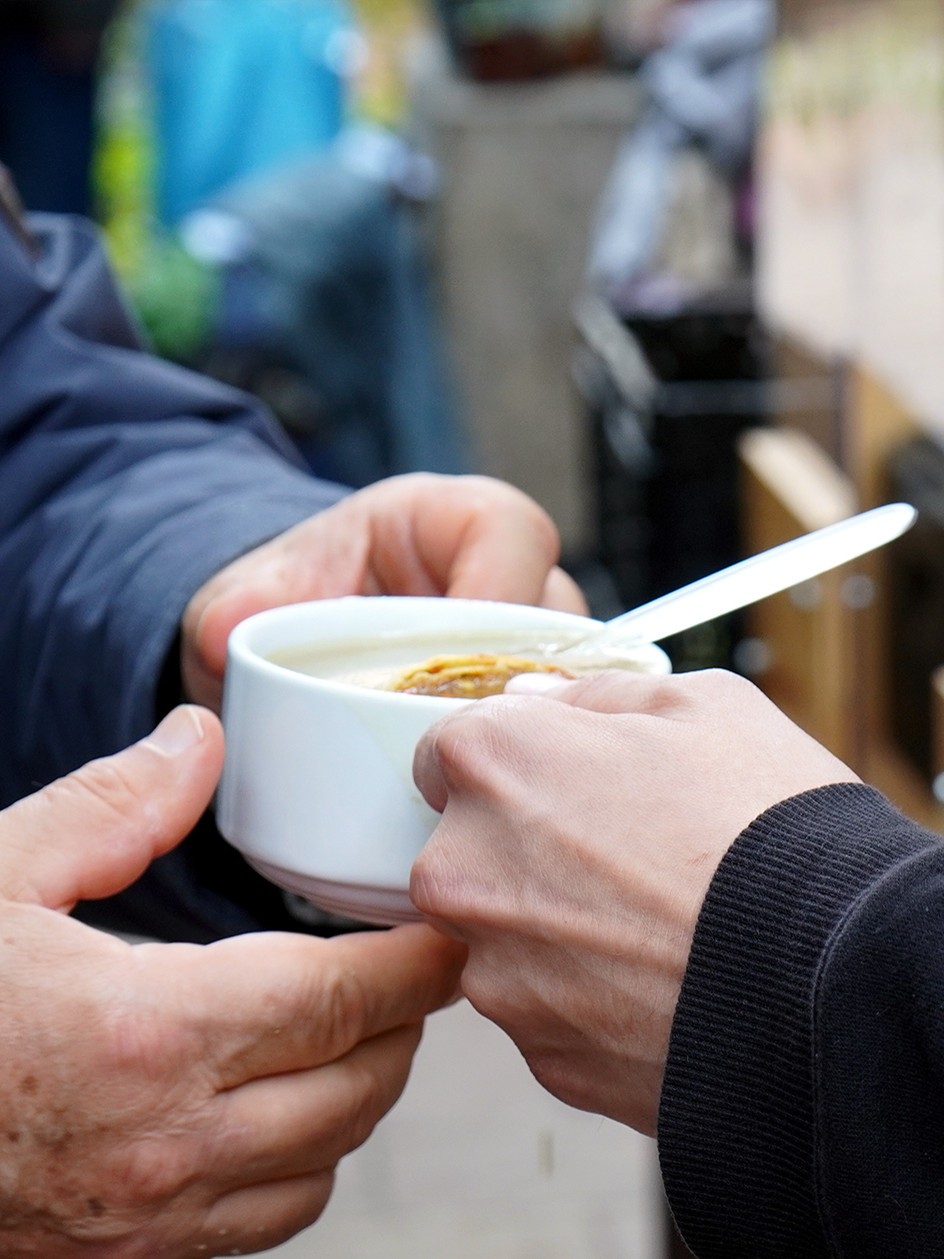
317,789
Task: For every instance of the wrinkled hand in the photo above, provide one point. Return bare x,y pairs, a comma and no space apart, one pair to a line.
179,1100
580,831
420,534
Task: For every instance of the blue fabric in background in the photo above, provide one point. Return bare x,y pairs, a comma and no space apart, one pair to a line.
312,224
241,87
341,291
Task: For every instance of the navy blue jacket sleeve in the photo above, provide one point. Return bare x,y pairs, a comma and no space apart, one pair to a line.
803,1105
125,483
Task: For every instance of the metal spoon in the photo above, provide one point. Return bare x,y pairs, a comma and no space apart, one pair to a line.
746,582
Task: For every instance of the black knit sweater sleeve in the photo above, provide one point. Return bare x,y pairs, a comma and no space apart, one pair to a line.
803,1106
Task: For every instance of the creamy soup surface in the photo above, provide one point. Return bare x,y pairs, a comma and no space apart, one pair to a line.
384,663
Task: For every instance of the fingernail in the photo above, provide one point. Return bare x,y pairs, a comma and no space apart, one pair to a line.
533,683
180,731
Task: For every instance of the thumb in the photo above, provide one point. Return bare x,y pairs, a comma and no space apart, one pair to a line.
95,831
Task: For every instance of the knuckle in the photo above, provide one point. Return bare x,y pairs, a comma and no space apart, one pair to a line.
106,784
556,1074
446,889
423,883
620,690
469,751
372,1094
485,997
538,520
276,1221
587,690
153,1062
494,494
343,1008
136,1045
505,1001
152,1172
725,687
671,698
431,889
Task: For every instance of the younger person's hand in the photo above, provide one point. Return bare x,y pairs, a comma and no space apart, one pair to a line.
580,831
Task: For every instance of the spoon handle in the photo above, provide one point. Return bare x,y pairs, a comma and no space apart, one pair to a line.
753,579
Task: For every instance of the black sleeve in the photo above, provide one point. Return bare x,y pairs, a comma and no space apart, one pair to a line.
803,1106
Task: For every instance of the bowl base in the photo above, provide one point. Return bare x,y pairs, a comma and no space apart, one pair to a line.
378,906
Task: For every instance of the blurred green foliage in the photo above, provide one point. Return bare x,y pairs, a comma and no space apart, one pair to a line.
173,295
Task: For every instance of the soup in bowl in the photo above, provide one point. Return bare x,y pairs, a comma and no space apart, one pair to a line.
323,706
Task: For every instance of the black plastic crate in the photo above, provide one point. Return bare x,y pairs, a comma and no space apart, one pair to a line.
668,398
915,577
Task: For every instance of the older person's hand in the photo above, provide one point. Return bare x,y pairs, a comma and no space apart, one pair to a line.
420,534
580,832
177,1100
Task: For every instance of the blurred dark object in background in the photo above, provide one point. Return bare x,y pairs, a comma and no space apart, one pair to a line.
916,599
494,40
326,311
49,53
703,91
711,363
668,397
675,362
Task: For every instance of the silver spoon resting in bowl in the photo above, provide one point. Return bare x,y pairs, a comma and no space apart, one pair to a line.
741,584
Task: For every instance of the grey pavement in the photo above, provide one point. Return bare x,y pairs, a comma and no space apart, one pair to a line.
477,1161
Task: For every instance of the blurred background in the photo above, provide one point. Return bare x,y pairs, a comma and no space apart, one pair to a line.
675,269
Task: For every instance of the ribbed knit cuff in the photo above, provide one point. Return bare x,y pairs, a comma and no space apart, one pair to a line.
736,1116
